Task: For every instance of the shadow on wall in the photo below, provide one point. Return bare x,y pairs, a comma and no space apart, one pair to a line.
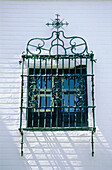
53,150
9,146
65,150
57,150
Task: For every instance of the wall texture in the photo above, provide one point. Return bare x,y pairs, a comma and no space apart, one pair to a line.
22,20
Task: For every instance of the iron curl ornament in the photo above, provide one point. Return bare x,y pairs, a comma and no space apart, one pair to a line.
59,43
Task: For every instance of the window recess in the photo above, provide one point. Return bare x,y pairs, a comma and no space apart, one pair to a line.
57,84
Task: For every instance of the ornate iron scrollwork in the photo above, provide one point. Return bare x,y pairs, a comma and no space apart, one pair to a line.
80,93
57,91
73,46
33,93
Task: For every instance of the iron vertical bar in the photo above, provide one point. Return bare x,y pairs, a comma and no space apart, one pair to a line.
45,101
51,93
40,83
34,66
75,94
63,92
69,91
22,84
92,142
21,143
81,86
27,110
93,109
21,109
57,93
34,84
86,79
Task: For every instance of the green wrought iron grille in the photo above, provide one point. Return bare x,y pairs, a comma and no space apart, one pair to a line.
57,100
57,84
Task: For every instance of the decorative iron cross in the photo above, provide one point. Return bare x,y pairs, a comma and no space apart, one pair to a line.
57,23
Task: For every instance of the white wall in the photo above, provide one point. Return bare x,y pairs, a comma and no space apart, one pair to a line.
22,20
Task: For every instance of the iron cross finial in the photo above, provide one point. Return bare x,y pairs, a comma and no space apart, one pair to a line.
57,23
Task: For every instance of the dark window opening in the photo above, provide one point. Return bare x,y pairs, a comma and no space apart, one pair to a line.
60,100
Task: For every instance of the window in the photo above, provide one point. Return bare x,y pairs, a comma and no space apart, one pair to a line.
60,100
57,84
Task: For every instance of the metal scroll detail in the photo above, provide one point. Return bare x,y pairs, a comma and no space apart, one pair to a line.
66,45
33,92
80,93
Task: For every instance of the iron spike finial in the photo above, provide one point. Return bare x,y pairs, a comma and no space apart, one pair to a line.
57,23
57,15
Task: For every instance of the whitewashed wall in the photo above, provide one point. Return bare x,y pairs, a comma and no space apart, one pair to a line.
22,20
